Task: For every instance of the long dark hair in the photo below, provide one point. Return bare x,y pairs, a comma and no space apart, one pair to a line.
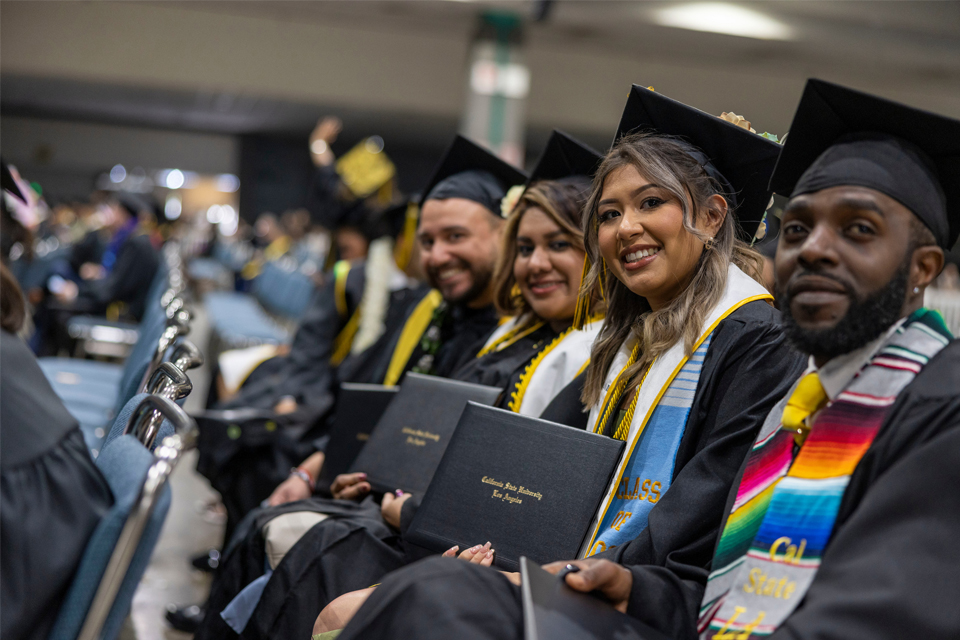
13,309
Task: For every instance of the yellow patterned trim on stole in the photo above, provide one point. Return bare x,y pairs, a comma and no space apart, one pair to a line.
412,331
509,338
516,398
656,401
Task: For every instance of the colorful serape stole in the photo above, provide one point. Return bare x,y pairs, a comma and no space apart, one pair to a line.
786,506
649,470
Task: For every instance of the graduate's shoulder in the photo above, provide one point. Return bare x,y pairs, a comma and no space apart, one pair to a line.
754,334
754,320
925,408
940,378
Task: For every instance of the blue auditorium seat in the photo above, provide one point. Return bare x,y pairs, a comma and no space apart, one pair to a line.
125,465
94,391
208,269
118,552
239,321
284,292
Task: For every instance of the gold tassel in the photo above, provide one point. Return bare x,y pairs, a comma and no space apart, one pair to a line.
403,250
582,311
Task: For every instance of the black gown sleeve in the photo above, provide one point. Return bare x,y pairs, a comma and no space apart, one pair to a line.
311,379
566,407
748,368
52,496
130,278
891,567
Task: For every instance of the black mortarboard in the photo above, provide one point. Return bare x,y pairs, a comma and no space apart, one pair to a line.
565,157
8,183
844,137
132,204
469,171
360,216
740,160
391,221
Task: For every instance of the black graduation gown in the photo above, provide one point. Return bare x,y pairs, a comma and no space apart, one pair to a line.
504,368
305,373
352,549
747,369
52,496
462,335
128,281
246,470
892,566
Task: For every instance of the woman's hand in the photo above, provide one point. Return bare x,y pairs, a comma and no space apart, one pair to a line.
391,506
614,581
480,554
290,490
350,486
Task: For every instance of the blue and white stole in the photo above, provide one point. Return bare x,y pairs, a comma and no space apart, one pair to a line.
664,401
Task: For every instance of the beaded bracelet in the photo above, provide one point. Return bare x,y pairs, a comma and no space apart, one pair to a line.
304,475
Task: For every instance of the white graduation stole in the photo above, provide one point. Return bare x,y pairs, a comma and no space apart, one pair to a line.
664,400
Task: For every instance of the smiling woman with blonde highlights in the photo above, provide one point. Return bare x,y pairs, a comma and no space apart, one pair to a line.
651,181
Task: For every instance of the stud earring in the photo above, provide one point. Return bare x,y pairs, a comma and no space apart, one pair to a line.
708,244
916,289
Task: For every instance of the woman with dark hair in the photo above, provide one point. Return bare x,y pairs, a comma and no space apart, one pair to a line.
51,494
690,359
538,351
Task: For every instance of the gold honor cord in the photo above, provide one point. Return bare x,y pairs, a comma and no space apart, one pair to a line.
509,338
412,331
628,453
615,396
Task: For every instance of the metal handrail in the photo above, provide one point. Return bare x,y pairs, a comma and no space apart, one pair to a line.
186,355
169,380
146,419
166,457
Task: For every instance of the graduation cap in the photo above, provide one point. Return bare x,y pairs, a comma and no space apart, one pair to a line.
565,157
400,221
840,136
131,203
469,171
740,160
7,183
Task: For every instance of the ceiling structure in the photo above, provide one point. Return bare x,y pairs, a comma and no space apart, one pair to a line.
398,68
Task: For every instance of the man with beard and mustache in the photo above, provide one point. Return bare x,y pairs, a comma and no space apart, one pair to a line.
458,235
843,520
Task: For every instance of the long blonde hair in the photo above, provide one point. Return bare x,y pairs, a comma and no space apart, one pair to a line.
664,161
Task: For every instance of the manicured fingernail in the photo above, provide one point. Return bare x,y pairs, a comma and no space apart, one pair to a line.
363,475
487,546
476,548
490,553
399,492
